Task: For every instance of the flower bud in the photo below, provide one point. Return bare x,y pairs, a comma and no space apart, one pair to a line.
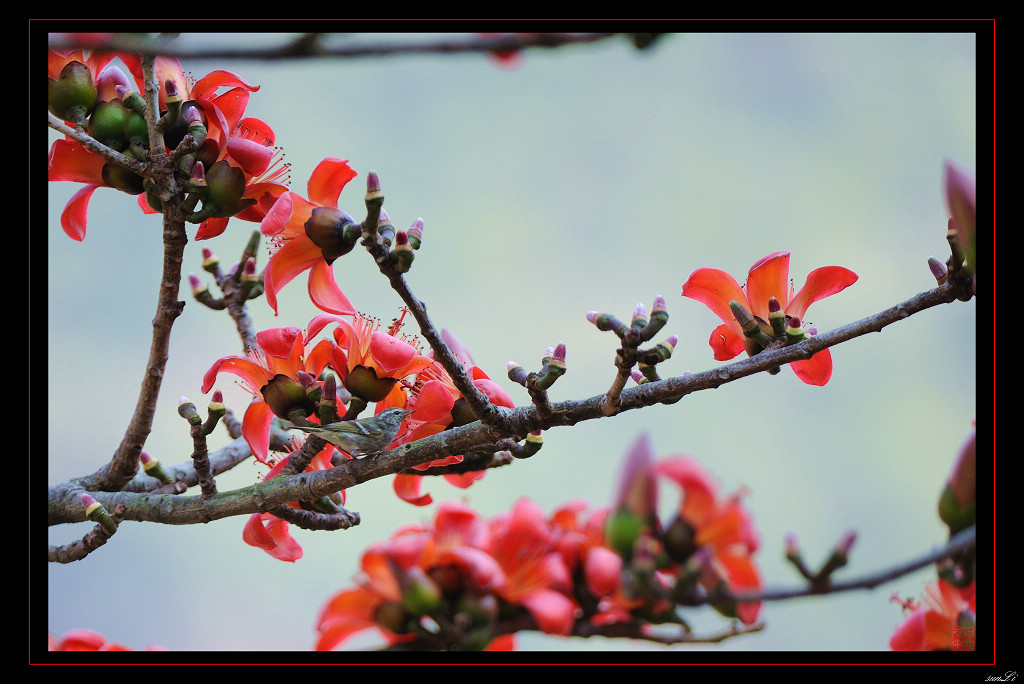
776,317
957,503
373,191
95,512
225,186
516,373
73,95
196,127
187,410
197,285
402,253
605,321
210,260
152,467
415,233
658,318
639,319
938,269
385,228
751,328
106,124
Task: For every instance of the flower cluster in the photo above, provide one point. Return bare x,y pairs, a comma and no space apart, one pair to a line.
463,581
297,378
235,169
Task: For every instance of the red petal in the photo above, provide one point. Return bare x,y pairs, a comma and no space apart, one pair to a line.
390,353
247,369
327,181
495,393
211,227
715,289
699,490
294,257
433,402
769,277
407,487
278,342
821,282
909,636
324,291
816,370
256,428
465,480
602,569
73,219
725,343
70,161
553,612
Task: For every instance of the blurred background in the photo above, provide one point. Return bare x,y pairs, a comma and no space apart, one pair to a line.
588,177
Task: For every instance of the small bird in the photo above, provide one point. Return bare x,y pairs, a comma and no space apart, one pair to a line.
364,437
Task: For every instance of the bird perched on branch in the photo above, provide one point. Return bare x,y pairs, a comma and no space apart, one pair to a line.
364,437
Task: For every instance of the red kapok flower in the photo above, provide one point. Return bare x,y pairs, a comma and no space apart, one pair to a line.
309,234
930,627
720,525
538,579
271,373
402,578
439,406
258,172
769,277
372,363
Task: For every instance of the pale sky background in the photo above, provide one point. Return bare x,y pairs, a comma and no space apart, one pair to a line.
590,177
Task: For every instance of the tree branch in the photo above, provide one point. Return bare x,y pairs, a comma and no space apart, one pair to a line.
182,510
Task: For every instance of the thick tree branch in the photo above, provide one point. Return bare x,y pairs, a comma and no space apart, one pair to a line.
183,510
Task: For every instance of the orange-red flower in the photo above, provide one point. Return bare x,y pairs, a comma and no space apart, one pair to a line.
372,363
720,525
309,234
931,626
537,577
271,373
769,277
439,406
252,167
422,569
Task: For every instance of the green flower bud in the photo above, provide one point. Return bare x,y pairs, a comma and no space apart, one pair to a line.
121,178
107,124
95,512
225,185
420,595
622,530
73,96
